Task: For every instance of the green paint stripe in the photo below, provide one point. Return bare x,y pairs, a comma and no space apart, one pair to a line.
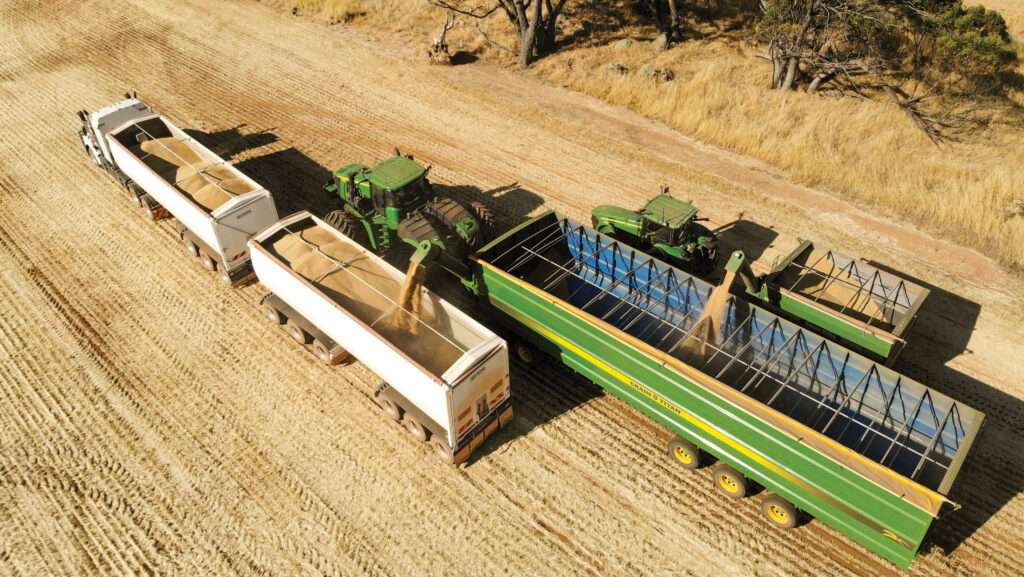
760,459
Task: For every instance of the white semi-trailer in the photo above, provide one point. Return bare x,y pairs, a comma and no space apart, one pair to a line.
216,207
445,375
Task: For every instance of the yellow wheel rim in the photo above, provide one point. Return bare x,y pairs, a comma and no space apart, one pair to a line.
729,484
683,455
778,514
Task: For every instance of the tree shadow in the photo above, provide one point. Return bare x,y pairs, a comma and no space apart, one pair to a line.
994,475
231,142
463,57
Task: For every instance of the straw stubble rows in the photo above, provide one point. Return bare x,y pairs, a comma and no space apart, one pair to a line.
151,421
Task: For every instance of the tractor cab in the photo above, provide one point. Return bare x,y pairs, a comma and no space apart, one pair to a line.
665,226
393,189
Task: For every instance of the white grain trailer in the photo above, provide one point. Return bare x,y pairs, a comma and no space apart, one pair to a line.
216,207
445,375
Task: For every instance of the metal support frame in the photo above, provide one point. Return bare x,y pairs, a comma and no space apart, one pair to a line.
809,367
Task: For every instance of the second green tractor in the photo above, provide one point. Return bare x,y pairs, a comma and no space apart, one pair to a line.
666,227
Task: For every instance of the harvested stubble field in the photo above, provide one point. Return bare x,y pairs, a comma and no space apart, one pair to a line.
152,422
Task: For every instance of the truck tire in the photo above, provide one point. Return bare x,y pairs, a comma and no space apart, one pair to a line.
209,263
780,512
730,481
324,353
272,313
442,450
415,428
298,333
684,452
192,248
391,409
136,193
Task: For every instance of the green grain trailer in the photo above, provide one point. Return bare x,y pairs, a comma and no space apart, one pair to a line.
828,431
866,309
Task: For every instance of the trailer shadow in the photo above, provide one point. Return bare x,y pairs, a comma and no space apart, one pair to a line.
994,474
231,142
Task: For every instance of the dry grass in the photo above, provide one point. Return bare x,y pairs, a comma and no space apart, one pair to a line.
866,151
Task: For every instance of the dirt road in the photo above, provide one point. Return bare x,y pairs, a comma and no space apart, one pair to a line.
152,422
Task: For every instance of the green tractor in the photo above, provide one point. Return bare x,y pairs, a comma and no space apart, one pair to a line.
394,202
666,227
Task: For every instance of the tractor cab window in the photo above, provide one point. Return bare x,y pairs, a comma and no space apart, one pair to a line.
380,197
664,234
409,194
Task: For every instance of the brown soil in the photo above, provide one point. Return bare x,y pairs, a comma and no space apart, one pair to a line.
151,421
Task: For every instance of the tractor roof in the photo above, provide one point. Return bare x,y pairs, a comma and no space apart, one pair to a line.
396,172
675,212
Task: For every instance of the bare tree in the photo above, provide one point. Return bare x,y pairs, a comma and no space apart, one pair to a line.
666,18
936,60
535,22
438,52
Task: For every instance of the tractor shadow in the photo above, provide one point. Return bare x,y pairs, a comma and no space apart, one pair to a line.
746,235
295,180
994,473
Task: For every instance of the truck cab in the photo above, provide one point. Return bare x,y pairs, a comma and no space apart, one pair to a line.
97,125
666,226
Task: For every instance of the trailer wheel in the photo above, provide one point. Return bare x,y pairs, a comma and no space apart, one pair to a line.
415,428
442,450
391,409
684,452
525,352
779,512
298,333
730,481
149,206
192,248
209,263
136,193
324,353
272,313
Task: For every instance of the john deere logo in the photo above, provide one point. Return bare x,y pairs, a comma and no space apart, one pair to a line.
895,537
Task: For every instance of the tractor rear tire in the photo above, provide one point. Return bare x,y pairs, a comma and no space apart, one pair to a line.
348,226
485,216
